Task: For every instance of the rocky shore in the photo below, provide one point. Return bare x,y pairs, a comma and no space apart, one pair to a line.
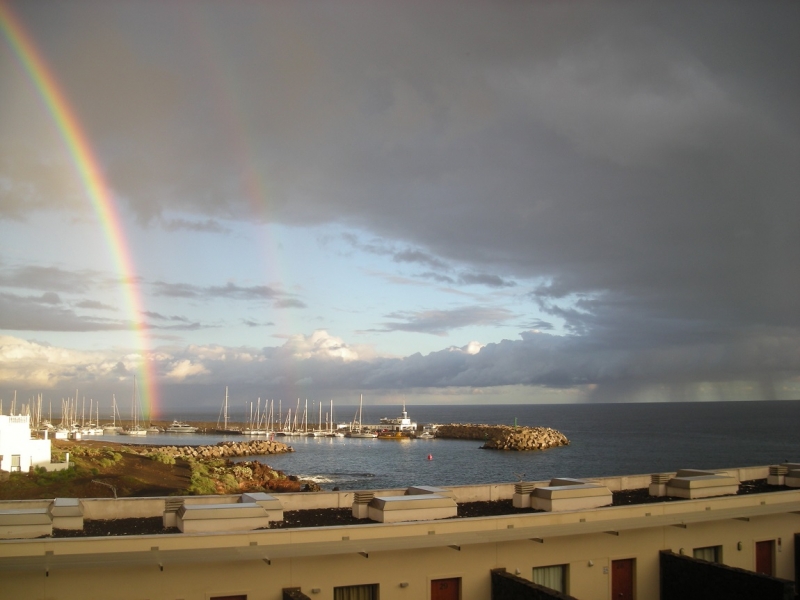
505,437
225,449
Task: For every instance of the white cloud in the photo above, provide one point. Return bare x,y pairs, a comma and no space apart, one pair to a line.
184,369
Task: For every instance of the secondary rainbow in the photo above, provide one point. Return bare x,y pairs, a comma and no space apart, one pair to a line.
91,176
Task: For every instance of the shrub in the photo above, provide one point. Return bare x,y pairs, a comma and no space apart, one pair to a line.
163,457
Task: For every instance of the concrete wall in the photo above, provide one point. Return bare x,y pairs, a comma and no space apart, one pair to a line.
685,578
412,555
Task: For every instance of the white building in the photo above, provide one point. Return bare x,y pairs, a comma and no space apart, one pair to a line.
18,452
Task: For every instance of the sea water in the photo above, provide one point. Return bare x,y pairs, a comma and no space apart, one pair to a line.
605,440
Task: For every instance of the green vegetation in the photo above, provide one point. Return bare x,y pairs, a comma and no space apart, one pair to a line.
163,458
201,482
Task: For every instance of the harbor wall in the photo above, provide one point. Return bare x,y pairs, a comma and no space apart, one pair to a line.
505,437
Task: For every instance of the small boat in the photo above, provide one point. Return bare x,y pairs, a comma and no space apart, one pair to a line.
426,435
136,430
392,435
153,429
180,427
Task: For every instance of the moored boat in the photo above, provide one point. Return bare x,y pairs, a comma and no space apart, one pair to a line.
180,427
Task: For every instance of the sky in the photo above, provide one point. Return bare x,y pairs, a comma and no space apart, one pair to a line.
449,202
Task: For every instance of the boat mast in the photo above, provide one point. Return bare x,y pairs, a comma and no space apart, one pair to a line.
226,408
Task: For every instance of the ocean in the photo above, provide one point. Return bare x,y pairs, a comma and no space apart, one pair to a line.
606,440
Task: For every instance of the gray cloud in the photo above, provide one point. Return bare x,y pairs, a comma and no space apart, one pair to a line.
51,279
160,317
254,323
229,290
439,322
94,304
486,279
289,303
25,313
207,225
325,366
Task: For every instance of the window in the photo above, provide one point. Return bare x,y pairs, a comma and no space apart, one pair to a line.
709,553
553,577
15,462
356,592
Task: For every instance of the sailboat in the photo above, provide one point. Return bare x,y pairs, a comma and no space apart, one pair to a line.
254,423
331,431
356,428
112,428
134,429
226,429
319,431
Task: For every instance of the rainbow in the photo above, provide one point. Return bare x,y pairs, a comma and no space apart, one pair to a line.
101,196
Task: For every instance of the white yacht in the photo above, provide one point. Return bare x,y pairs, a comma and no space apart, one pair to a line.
180,427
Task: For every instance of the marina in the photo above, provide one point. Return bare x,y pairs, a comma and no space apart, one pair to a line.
606,439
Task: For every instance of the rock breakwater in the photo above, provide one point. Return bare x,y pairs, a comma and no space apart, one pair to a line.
225,449
505,437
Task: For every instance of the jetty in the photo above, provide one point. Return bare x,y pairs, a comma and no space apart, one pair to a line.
505,437
227,449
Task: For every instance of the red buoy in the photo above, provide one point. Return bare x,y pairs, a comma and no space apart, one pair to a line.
430,456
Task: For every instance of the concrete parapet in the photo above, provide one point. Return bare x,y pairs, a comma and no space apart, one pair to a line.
268,502
426,507
570,497
702,486
792,478
221,517
66,513
429,489
25,523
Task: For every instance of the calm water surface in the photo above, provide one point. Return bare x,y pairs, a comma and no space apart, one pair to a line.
606,439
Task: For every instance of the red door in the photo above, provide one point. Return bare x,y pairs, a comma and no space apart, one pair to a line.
446,589
622,579
764,557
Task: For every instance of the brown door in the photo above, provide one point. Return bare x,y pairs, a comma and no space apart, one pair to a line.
622,579
764,557
446,589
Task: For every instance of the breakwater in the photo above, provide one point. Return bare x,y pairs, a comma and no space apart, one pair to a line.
505,437
227,449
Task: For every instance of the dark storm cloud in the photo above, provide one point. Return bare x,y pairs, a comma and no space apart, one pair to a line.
637,165
439,322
